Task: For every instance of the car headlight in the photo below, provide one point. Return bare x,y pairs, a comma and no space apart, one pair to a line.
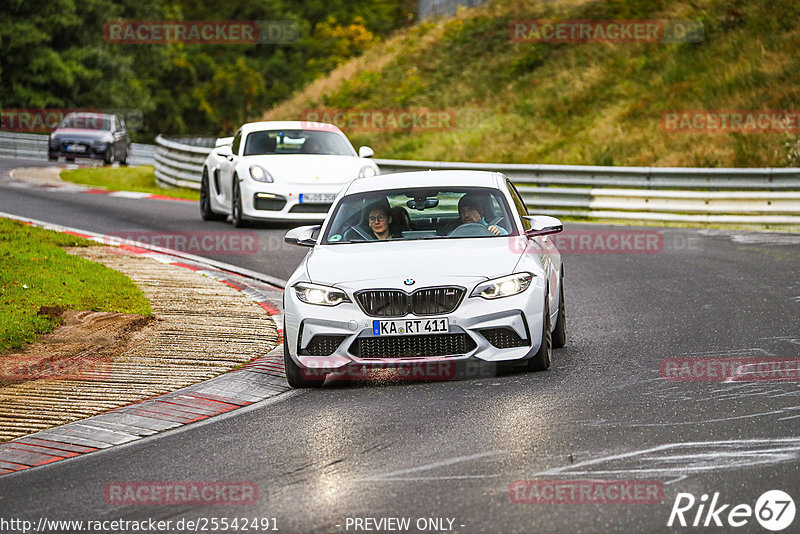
260,174
320,295
505,286
367,171
100,144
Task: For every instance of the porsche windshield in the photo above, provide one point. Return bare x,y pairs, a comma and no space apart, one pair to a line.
268,142
409,214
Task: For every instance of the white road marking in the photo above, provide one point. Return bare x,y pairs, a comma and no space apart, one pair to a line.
716,455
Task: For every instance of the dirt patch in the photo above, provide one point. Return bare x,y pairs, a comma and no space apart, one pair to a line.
41,175
82,348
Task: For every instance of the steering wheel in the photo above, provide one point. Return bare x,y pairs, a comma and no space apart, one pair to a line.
355,233
470,230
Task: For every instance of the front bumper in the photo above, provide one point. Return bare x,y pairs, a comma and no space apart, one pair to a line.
519,318
90,151
276,201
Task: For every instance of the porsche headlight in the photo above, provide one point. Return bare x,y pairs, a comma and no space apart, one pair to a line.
505,286
260,174
367,171
320,295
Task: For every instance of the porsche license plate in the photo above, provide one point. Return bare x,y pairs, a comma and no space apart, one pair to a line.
411,327
76,148
317,198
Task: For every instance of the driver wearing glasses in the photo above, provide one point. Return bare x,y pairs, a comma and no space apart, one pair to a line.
380,221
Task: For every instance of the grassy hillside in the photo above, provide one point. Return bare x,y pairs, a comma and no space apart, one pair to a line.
584,103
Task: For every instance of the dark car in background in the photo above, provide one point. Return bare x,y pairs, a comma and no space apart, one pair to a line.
90,135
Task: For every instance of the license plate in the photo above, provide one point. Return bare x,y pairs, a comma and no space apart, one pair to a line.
317,198
410,327
76,148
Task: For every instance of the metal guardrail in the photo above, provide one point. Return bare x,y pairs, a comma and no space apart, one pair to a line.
34,146
670,194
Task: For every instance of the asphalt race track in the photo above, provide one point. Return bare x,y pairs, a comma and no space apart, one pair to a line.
452,449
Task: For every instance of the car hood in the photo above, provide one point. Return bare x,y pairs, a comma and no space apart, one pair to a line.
310,168
428,262
77,134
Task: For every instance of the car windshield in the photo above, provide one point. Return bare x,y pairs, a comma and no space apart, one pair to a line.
420,213
87,122
297,142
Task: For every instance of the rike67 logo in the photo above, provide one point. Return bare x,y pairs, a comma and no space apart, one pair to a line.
774,510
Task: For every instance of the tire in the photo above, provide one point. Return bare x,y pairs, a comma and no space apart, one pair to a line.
294,375
126,159
560,331
236,205
51,157
205,200
541,360
108,157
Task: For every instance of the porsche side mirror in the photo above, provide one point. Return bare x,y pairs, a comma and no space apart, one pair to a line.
365,152
302,236
222,141
225,151
543,225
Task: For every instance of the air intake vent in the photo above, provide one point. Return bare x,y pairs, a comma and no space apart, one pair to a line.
412,346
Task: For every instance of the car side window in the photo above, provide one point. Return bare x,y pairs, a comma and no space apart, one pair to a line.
522,209
237,140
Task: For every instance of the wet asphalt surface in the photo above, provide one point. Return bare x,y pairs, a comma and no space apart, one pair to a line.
451,449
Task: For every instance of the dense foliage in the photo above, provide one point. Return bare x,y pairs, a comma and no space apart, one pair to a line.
54,55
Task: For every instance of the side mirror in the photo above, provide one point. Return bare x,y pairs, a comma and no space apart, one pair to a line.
543,225
222,141
302,236
224,151
365,152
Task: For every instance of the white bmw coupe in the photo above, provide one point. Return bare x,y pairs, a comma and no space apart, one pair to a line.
442,266
280,171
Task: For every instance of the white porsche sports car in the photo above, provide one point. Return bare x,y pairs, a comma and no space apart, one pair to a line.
437,266
279,171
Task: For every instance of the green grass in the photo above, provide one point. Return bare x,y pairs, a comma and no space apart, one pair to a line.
583,103
139,179
36,272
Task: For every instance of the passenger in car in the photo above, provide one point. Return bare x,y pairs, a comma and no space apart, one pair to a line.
379,218
471,208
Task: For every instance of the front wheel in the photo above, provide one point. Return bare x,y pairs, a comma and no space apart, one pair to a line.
108,157
541,360
205,200
560,331
294,375
236,205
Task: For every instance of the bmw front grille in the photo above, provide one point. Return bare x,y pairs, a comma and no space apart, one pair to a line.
396,303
